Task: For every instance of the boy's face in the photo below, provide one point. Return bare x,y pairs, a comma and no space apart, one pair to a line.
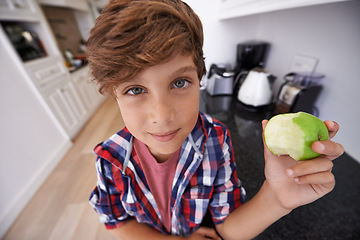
160,105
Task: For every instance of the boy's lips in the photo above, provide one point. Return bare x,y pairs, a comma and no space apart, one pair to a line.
164,137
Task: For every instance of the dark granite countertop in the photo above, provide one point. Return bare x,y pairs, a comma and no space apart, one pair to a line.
336,216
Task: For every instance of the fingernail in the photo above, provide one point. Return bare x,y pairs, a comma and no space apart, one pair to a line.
320,146
289,172
296,180
332,123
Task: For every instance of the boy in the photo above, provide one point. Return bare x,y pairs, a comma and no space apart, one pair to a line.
170,165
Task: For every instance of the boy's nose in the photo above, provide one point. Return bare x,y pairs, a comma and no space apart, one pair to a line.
161,111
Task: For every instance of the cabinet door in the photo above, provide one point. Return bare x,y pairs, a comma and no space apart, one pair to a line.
74,101
18,10
67,107
87,91
89,94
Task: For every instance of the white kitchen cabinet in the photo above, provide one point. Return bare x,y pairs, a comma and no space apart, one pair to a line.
69,103
237,8
18,10
53,81
74,4
83,10
67,107
88,93
46,72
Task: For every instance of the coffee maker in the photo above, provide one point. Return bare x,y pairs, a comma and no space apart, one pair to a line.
250,55
252,82
299,92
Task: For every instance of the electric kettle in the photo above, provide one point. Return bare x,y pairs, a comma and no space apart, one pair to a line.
256,89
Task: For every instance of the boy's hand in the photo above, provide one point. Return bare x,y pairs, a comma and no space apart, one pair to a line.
299,183
204,233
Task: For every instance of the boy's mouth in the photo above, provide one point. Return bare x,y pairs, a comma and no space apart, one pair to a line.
164,137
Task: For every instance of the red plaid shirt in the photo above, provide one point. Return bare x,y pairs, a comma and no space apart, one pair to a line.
205,179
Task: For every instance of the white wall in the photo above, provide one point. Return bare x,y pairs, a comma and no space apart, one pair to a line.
30,144
329,32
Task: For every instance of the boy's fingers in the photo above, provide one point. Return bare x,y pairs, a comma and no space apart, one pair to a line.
208,232
326,179
328,148
333,128
310,167
316,172
263,123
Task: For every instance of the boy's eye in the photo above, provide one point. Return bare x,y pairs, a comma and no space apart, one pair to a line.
135,91
180,83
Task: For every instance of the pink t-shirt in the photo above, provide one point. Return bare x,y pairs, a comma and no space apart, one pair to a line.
160,177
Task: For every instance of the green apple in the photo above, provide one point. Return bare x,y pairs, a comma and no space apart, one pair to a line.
293,133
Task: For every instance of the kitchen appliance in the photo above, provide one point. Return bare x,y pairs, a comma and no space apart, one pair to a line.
26,42
219,80
299,92
256,90
250,55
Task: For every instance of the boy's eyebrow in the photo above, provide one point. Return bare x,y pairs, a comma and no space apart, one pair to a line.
178,72
183,70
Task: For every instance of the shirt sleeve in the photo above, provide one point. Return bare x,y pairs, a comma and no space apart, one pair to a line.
105,198
228,191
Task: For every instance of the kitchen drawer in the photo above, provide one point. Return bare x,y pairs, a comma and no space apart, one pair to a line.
43,76
46,72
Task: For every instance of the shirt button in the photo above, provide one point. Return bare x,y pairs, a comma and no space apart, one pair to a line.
131,212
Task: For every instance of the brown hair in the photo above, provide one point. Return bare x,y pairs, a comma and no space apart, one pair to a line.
131,35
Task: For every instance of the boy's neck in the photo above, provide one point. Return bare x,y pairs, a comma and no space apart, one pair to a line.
161,158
